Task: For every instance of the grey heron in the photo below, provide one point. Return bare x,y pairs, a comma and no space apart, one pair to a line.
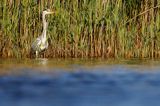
41,42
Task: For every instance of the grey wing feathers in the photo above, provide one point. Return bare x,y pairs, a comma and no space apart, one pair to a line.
36,44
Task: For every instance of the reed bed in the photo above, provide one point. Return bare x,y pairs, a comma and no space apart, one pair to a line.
82,28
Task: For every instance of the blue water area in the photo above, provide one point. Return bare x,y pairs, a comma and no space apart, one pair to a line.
96,87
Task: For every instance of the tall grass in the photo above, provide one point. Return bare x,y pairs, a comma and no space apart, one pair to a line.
82,28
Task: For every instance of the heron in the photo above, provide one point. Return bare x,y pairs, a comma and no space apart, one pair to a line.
41,42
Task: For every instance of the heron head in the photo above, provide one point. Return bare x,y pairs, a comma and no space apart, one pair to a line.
48,11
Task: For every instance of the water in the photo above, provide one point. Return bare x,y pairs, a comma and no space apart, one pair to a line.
93,82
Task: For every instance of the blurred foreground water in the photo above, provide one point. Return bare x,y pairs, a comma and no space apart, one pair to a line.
73,82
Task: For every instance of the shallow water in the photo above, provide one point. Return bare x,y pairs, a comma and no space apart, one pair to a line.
75,82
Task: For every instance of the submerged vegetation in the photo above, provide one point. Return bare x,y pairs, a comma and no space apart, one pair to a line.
82,28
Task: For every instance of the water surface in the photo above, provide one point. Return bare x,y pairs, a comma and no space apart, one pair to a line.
79,82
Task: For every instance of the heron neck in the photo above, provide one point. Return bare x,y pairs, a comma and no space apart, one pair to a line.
45,25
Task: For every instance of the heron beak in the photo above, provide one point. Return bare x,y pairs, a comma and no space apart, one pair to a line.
51,12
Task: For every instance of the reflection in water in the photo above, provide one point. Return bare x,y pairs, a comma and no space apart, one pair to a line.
41,61
47,64
87,84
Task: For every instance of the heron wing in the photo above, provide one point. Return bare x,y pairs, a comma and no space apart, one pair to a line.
36,44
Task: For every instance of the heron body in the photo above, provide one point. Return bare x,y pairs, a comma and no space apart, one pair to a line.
39,45
41,42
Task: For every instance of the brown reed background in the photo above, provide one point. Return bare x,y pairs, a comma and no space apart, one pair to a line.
82,28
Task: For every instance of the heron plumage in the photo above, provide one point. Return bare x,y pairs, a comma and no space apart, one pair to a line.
41,42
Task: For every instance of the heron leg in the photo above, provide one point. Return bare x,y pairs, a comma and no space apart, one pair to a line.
36,54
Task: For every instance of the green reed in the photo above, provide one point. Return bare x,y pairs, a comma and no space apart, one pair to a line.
82,28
